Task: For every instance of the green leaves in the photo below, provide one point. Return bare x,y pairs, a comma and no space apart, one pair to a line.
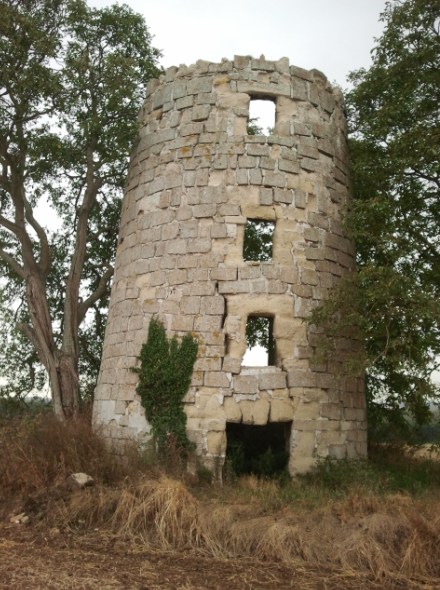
164,378
394,299
72,81
258,240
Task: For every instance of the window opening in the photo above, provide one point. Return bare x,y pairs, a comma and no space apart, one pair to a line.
261,450
258,240
262,113
260,343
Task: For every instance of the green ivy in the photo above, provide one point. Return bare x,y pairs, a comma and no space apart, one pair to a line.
164,378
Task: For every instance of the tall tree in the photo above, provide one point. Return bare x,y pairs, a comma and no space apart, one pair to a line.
71,83
394,298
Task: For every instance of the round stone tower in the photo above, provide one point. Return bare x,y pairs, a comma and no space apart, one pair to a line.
199,184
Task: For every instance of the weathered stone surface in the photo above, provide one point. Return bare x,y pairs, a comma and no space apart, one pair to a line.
21,518
80,480
195,180
255,412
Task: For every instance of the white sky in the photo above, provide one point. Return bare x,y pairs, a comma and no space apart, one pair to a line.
334,36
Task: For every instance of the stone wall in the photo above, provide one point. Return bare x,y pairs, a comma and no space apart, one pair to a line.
195,178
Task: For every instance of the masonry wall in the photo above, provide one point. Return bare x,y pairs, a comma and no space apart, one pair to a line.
195,178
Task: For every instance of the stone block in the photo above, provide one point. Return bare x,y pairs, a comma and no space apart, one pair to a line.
255,176
273,380
218,230
216,379
200,84
231,365
169,232
255,412
202,177
242,177
200,112
177,277
308,164
213,305
283,196
232,410
267,163
190,305
205,210
202,288
182,323
263,64
289,275
280,140
216,442
309,277
307,411
289,166
220,162
207,364
199,245
274,179
333,411
281,411
247,162
234,287
266,196
314,253
298,378
158,278
257,150
224,274
207,323
187,261
245,384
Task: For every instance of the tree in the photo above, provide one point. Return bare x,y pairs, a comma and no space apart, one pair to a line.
72,81
394,298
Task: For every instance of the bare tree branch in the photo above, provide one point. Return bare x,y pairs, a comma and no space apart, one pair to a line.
84,306
13,263
45,256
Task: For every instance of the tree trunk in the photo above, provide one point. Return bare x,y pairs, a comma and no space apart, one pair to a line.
69,385
62,368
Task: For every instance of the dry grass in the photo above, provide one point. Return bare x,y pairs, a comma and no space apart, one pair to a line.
388,538
38,453
391,538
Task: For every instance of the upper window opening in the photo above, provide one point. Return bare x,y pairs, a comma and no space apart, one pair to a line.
258,240
261,116
260,343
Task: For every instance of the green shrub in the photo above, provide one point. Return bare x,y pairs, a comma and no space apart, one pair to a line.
164,377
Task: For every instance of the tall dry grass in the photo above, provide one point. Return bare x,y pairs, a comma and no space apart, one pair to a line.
389,537
346,517
38,452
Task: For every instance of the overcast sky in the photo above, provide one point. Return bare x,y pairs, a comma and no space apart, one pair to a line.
334,36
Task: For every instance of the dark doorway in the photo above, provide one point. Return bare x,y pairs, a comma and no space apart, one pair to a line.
260,450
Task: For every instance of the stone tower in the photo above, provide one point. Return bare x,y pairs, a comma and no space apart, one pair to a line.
196,180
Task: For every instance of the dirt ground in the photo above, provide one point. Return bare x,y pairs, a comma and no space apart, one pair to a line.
52,560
